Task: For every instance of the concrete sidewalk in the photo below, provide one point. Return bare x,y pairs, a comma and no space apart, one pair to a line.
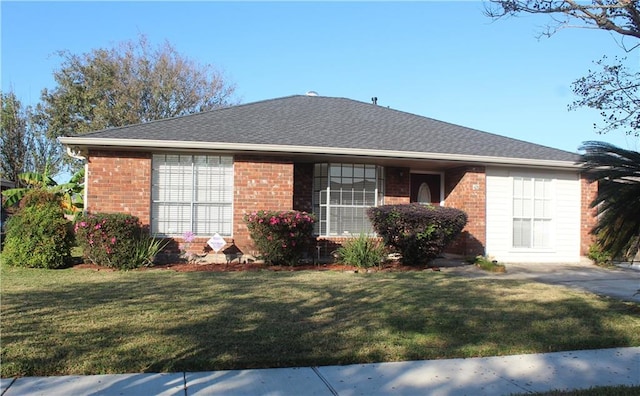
505,375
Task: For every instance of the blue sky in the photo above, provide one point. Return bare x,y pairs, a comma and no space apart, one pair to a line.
444,60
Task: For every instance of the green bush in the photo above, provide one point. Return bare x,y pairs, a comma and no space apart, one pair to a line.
114,240
599,255
38,235
489,265
281,237
363,252
418,232
38,197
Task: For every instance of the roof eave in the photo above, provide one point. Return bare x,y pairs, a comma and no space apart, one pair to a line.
82,142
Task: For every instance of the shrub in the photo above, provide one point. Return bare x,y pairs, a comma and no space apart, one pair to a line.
38,235
362,251
281,237
418,232
487,264
111,239
39,197
599,255
146,250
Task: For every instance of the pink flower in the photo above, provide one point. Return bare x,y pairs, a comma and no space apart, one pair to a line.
113,240
188,236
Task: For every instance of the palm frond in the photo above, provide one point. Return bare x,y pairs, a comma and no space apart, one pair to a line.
617,172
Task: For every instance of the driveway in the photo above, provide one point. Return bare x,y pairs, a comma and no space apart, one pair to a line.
621,282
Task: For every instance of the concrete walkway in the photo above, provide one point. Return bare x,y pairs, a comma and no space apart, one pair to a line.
506,375
622,282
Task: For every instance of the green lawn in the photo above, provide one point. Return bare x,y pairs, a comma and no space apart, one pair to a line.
57,322
596,391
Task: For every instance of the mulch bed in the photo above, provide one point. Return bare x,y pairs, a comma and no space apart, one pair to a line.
236,267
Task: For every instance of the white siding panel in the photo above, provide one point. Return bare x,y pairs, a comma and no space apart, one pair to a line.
565,228
499,202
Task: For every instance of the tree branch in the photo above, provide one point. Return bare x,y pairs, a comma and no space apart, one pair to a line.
621,16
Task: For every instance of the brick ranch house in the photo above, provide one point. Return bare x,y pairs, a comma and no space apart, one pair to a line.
335,157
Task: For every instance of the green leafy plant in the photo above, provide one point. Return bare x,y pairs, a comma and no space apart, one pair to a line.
38,235
363,252
110,239
146,250
488,264
418,232
599,255
281,237
70,194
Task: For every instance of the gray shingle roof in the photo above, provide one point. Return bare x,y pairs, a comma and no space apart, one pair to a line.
319,121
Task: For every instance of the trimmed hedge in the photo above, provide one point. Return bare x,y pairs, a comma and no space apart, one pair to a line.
38,235
418,232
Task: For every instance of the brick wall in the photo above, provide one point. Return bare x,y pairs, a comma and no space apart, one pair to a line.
397,186
120,182
465,189
303,187
260,183
588,215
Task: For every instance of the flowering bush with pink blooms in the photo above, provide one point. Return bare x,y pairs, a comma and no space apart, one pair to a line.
109,239
282,237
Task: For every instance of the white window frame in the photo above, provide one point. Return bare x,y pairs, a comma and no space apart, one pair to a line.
192,192
328,203
534,205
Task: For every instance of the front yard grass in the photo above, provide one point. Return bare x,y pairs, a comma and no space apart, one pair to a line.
60,322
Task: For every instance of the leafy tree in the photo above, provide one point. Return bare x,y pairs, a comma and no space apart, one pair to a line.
46,153
611,89
617,172
15,140
25,146
130,83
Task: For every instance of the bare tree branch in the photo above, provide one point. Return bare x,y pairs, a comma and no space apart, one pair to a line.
620,16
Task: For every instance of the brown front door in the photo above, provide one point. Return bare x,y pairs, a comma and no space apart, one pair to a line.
425,188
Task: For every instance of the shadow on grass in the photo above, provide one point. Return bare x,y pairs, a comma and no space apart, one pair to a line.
168,322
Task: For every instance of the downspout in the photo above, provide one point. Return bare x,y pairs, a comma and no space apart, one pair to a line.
76,154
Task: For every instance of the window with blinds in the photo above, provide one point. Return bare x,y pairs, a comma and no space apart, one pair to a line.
192,193
532,212
342,193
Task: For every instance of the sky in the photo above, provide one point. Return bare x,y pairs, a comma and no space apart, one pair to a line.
443,60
